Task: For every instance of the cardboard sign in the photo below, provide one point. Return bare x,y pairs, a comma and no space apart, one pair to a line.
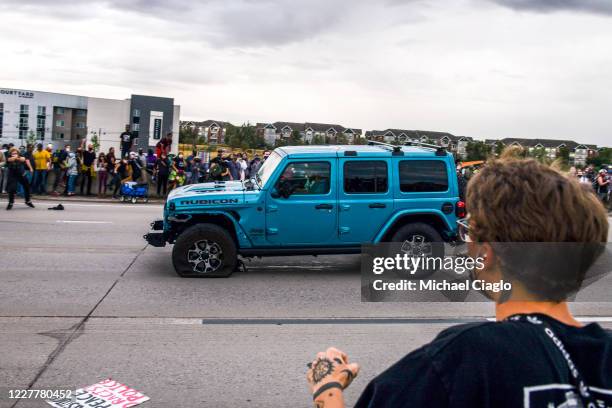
105,394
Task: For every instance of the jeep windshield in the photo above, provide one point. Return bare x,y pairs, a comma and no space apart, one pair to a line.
266,170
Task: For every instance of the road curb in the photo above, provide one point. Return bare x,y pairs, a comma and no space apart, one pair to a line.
77,199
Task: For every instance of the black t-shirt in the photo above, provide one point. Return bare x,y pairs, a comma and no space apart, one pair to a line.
88,158
126,139
162,167
497,365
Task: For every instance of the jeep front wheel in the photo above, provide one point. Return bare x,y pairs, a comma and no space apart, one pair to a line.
204,251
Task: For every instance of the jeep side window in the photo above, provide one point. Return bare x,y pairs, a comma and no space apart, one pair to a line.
365,176
418,176
306,178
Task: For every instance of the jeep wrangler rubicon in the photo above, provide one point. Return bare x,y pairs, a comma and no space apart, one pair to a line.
312,200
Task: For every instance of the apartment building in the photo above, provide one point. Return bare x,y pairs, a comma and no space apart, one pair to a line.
310,132
61,119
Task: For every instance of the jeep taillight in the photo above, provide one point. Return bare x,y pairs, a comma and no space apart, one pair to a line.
460,209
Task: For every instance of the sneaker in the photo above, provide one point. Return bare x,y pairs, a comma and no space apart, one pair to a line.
29,204
9,206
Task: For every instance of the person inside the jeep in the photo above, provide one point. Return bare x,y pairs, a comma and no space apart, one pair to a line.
536,353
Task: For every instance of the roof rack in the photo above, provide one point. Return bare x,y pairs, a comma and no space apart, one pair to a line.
393,148
440,150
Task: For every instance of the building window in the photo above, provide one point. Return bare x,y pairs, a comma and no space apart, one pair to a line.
81,112
59,111
40,123
417,176
42,110
136,113
23,123
23,134
136,127
80,125
24,109
40,134
365,176
59,123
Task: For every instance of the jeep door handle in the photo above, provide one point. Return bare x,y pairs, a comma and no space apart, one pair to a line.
324,206
377,205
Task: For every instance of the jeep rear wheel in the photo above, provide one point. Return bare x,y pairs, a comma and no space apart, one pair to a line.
420,239
204,251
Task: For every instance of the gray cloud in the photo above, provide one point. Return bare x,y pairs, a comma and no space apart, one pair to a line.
545,6
220,23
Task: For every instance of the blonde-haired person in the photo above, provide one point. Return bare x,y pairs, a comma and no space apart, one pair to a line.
536,353
16,168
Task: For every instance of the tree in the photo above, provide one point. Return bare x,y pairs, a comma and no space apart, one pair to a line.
539,153
317,140
244,137
360,140
341,139
31,138
498,148
296,138
603,157
188,135
563,154
476,150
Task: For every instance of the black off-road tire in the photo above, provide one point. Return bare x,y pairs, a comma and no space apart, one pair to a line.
203,238
429,235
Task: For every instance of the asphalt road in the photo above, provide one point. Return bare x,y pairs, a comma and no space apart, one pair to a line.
82,298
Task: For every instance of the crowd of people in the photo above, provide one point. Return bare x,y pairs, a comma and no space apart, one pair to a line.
29,169
599,180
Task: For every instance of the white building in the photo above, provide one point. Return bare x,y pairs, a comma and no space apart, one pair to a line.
69,119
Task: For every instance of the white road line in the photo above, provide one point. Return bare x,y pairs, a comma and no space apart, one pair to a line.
83,222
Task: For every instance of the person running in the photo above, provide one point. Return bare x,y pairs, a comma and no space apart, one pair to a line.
102,173
16,166
536,353
162,172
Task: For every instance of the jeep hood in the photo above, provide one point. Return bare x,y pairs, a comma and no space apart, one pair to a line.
210,191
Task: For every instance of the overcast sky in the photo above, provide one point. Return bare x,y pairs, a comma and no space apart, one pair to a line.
481,68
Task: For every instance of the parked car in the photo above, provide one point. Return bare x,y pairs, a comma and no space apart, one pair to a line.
312,200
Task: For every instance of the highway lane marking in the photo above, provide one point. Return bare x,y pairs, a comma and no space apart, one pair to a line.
83,222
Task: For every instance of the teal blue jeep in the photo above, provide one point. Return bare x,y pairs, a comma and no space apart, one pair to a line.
312,200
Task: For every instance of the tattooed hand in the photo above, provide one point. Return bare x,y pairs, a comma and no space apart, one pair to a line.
331,367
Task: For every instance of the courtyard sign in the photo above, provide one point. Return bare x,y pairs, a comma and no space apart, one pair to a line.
20,94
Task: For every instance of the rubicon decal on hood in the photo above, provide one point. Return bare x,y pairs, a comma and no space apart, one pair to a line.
211,202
